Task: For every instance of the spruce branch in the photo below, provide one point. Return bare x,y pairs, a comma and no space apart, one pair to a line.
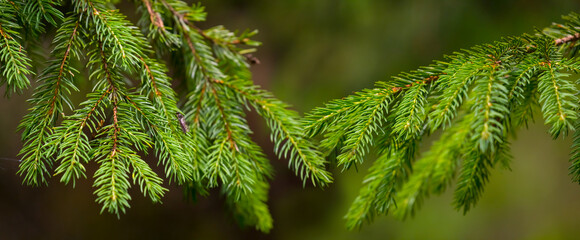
454,87
477,97
251,209
378,195
360,134
14,64
115,49
435,170
574,169
132,108
49,99
286,133
410,112
492,88
171,144
37,12
221,87
475,174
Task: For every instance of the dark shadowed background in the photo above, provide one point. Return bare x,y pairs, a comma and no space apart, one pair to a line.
314,51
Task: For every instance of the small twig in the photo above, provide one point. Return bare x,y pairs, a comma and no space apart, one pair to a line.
154,16
567,39
424,81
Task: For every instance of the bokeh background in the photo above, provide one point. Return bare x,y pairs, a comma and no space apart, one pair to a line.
315,51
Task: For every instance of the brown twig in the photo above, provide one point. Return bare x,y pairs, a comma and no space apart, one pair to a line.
424,81
567,39
154,16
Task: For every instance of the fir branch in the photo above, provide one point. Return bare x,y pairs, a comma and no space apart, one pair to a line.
251,209
523,108
180,154
410,113
523,78
113,193
48,105
131,134
72,142
360,136
116,121
557,96
113,31
433,172
558,108
501,82
378,195
474,175
491,103
286,132
14,63
322,119
177,165
37,11
112,178
149,182
234,158
574,169
480,96
454,86
220,82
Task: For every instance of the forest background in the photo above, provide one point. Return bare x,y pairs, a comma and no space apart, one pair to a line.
312,52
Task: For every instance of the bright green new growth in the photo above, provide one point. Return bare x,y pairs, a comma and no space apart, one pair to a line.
204,142
478,97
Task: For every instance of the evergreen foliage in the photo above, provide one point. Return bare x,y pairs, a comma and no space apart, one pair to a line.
201,136
476,99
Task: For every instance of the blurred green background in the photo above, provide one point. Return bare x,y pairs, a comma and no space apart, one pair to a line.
314,51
